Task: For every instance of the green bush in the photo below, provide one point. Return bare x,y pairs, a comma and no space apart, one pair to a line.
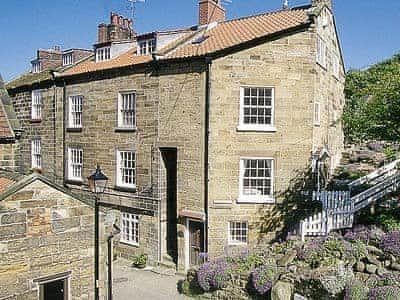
356,290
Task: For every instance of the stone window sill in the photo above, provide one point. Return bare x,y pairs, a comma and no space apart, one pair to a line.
243,200
35,120
125,189
121,129
74,182
253,128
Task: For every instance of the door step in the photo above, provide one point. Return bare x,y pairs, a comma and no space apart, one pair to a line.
166,266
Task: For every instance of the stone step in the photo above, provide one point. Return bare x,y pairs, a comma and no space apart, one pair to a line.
162,270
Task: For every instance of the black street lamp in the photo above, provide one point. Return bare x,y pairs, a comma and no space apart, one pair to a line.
97,185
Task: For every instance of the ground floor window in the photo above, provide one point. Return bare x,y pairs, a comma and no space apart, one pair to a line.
130,228
54,287
238,232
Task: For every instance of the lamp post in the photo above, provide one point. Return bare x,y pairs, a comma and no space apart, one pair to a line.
97,185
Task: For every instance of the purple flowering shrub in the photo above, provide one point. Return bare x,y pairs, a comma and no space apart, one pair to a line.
213,275
390,243
384,293
367,235
263,278
356,290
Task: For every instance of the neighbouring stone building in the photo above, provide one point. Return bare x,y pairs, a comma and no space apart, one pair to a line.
201,131
46,241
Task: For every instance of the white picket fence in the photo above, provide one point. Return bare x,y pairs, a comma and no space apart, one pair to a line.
338,208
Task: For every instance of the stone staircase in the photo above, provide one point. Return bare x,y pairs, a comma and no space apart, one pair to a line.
166,266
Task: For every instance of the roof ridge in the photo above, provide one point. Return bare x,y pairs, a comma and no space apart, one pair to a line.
303,7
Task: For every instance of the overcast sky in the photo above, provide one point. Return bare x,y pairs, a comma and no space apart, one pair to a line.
368,29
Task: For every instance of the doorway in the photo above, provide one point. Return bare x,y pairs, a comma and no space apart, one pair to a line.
54,290
169,156
196,242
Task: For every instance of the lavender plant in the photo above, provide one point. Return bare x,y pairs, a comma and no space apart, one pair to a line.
367,235
263,278
213,275
390,243
384,293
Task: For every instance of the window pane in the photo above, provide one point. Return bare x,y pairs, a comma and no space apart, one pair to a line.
257,104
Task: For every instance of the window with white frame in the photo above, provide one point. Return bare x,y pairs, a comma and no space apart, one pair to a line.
75,164
238,232
36,113
321,51
36,67
103,54
335,66
75,111
143,48
317,113
126,110
129,228
36,153
126,172
256,108
67,59
147,47
151,46
256,180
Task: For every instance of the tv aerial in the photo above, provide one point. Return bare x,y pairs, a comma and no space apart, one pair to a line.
132,9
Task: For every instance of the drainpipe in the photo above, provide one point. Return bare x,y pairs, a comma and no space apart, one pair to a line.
109,255
53,76
208,62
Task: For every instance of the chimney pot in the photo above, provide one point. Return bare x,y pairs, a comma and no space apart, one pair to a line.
318,2
114,19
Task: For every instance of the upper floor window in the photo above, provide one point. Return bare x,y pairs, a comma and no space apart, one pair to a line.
238,232
67,59
103,54
257,108
75,111
147,47
335,66
321,51
256,180
36,153
75,164
126,169
126,110
36,67
130,229
36,113
317,113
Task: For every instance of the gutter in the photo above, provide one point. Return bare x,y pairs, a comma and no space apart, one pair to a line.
208,62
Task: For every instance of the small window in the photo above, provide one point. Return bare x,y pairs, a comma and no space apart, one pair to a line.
103,54
257,108
126,172
75,164
130,229
36,67
152,46
256,180
36,153
75,111
67,59
126,110
335,66
317,113
238,232
321,51
143,48
36,113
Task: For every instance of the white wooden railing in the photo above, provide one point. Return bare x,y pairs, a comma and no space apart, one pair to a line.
338,207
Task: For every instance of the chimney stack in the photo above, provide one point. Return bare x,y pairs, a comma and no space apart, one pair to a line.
319,2
211,11
119,29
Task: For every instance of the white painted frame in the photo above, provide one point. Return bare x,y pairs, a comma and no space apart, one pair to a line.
36,153
255,127
36,104
256,199
317,113
70,116
70,173
118,180
238,243
135,218
68,295
119,114
321,52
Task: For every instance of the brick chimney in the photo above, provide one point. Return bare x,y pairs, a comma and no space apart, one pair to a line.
318,2
211,11
119,29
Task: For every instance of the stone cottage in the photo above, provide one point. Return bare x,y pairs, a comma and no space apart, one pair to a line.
46,241
202,130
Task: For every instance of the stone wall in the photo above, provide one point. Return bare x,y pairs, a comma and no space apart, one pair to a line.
9,156
44,232
287,65
329,92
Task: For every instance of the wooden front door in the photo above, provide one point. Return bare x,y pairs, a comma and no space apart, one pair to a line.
196,242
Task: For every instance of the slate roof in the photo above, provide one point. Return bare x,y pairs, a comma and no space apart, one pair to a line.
223,36
10,126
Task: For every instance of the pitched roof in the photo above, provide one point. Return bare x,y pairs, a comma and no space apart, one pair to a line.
235,32
126,59
223,36
28,79
9,124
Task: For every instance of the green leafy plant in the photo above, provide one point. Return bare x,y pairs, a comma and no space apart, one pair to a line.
389,222
390,153
140,259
